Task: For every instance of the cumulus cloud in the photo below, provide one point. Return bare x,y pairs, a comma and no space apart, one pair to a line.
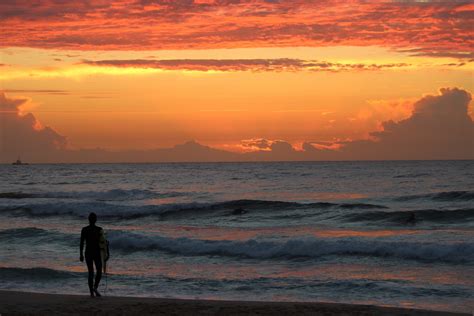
282,148
278,64
375,112
254,144
21,134
262,149
431,28
438,128
312,147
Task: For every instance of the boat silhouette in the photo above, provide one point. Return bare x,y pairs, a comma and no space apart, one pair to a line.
18,162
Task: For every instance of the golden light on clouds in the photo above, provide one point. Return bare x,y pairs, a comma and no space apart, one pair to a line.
124,75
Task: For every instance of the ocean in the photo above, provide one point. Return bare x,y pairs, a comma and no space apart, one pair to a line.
394,233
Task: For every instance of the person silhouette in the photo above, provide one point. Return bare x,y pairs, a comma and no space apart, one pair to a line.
92,235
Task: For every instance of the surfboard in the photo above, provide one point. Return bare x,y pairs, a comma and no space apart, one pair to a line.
104,249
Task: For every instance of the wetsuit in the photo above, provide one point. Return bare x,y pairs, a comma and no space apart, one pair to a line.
91,235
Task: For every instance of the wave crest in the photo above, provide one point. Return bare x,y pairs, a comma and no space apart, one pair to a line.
42,274
416,216
309,247
446,196
109,195
172,210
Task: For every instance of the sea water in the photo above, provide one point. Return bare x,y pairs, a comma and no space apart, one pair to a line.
386,233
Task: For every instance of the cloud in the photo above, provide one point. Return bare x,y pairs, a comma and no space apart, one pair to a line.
280,147
376,112
255,144
313,147
271,150
38,91
430,28
438,128
256,65
190,151
262,149
441,53
21,134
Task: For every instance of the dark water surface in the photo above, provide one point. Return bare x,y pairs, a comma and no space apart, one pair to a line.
386,233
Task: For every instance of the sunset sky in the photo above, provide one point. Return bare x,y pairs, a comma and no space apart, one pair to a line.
240,76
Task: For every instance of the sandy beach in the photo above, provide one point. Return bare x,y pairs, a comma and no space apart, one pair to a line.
23,303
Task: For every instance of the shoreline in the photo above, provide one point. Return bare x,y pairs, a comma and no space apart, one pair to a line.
27,303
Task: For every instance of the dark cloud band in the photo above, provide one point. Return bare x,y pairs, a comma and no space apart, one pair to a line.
280,64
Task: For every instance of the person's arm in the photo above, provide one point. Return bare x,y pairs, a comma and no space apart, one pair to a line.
83,237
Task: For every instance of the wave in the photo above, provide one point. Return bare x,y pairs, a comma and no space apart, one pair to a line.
411,175
416,216
360,206
15,195
33,237
32,274
172,210
309,247
103,210
26,232
294,248
446,196
110,195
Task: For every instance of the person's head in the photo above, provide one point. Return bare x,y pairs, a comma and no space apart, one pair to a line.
92,218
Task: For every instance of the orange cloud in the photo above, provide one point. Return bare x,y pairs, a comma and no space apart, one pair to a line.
41,91
309,146
23,134
255,144
378,111
279,64
439,127
428,28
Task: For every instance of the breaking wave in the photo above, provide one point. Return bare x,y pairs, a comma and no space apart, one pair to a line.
15,195
416,216
446,196
412,175
309,247
36,274
36,236
294,248
26,232
170,211
110,195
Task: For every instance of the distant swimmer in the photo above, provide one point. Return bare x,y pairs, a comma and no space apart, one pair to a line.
97,252
239,211
412,218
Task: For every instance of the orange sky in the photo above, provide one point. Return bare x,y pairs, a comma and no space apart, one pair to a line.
149,74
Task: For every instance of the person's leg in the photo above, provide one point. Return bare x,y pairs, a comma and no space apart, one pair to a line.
90,269
98,276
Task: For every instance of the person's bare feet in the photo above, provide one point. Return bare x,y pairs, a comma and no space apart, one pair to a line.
97,293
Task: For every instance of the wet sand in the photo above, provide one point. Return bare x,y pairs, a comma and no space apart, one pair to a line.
22,303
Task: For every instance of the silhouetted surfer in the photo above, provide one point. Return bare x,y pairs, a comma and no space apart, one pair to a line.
93,236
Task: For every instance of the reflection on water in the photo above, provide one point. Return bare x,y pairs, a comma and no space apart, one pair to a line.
385,233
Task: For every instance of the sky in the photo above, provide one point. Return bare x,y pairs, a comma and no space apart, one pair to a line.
224,80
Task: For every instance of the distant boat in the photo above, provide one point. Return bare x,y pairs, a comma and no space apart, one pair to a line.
19,163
